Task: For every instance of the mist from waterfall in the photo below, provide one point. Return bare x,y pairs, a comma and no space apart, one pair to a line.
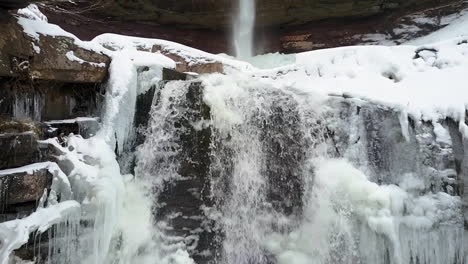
243,29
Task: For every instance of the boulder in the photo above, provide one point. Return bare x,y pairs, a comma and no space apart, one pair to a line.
182,65
53,62
24,185
56,58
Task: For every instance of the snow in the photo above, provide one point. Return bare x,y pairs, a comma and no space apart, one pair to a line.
36,48
392,76
141,58
32,12
29,169
442,134
73,120
190,55
72,57
35,28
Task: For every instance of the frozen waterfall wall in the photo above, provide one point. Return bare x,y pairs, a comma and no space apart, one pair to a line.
246,173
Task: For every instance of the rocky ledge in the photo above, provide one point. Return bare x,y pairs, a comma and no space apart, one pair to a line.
279,34
218,14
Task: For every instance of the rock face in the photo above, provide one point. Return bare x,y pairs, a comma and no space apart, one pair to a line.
216,14
23,186
338,29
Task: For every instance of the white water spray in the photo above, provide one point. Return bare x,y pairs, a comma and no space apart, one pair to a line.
243,29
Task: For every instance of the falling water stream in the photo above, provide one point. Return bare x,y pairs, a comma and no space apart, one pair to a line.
244,29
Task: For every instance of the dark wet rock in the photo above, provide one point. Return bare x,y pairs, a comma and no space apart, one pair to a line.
283,144
182,201
15,4
48,100
18,149
172,75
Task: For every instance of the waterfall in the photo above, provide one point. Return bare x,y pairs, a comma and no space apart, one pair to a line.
244,25
244,172
259,137
233,169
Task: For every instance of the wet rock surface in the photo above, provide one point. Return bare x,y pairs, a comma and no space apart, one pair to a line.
15,4
182,201
48,100
18,149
